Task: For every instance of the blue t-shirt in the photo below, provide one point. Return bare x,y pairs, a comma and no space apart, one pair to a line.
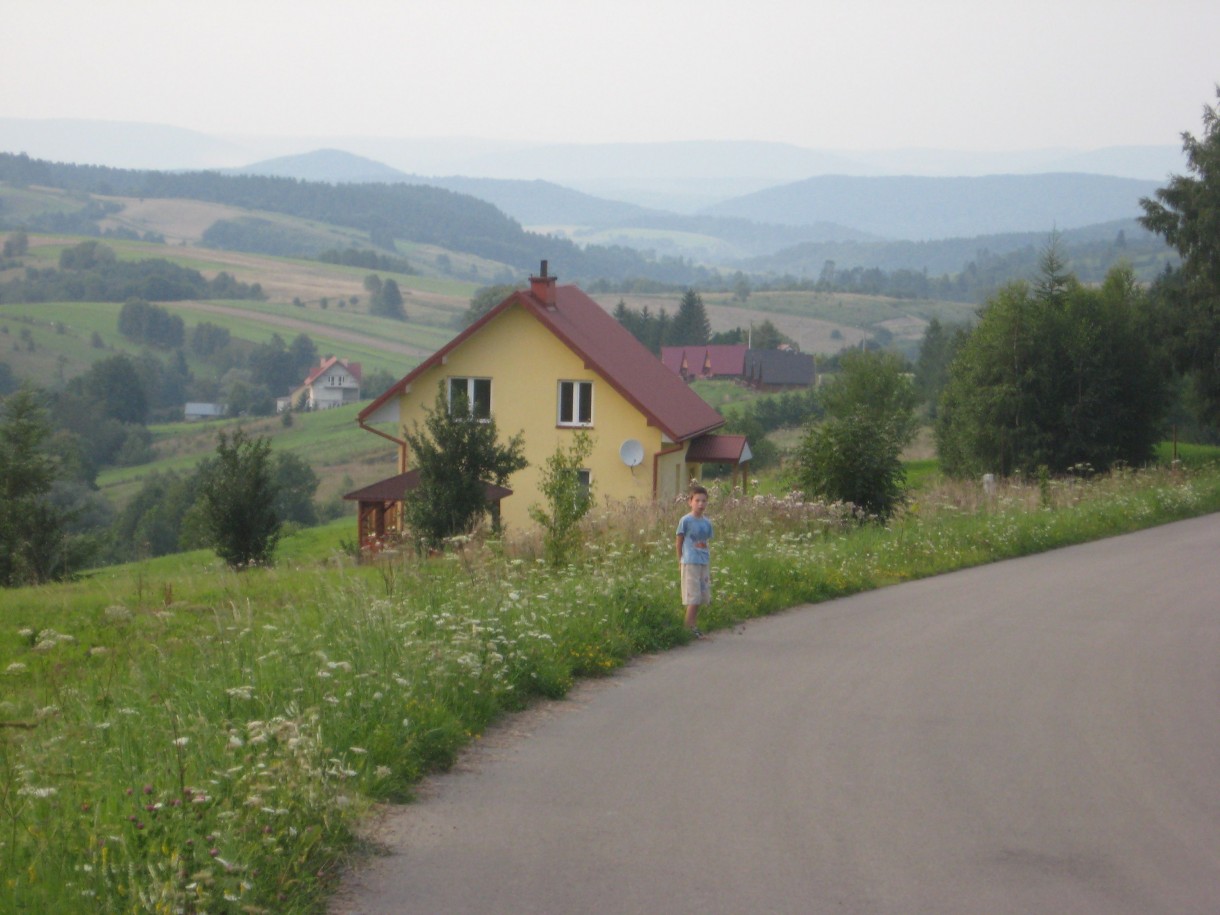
696,532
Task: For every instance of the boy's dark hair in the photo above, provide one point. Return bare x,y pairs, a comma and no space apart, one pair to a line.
696,490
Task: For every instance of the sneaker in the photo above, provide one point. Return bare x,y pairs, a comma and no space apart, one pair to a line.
696,633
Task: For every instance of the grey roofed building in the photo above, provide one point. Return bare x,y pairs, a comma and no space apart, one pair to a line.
204,410
776,368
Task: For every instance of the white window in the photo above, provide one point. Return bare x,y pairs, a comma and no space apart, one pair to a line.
474,393
585,478
576,403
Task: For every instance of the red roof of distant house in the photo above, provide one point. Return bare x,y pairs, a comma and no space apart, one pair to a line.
352,367
713,359
607,348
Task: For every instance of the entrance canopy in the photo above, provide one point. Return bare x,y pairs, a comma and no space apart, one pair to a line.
722,449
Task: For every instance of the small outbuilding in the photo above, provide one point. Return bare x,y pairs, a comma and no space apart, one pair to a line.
380,506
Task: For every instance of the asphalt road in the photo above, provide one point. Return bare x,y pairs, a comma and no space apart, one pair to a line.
1035,736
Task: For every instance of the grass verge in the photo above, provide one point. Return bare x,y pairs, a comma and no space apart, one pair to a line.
177,737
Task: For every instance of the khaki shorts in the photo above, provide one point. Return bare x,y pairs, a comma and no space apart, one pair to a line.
696,584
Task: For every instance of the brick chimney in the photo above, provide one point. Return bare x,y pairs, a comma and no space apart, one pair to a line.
542,287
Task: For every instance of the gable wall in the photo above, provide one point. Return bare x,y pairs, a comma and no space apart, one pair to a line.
525,362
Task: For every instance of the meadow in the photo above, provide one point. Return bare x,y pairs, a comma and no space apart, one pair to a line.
178,737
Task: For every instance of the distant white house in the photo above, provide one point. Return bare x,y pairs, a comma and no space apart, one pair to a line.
205,410
333,383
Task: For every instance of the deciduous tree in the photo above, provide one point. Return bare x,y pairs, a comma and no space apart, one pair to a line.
1056,375
855,454
568,499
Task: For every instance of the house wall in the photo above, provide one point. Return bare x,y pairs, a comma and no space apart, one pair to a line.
525,362
323,395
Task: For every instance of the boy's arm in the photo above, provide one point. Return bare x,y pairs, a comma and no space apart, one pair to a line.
678,544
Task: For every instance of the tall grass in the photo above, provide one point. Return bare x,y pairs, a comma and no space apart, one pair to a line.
180,738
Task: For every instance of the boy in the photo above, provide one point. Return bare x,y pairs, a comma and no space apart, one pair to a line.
694,532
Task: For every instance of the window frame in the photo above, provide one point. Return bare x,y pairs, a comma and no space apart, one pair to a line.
576,404
472,401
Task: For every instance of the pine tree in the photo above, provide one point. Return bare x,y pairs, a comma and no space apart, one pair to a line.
456,455
690,326
32,532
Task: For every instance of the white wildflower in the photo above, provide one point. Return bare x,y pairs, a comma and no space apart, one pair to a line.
34,791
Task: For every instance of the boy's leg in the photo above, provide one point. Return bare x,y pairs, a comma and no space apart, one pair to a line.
695,592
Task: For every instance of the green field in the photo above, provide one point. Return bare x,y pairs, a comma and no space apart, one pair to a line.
343,455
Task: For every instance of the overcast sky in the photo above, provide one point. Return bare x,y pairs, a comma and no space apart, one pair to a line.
848,74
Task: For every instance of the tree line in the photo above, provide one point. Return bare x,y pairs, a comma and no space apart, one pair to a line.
417,213
53,524
90,272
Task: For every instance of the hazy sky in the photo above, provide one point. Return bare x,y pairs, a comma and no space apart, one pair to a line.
848,74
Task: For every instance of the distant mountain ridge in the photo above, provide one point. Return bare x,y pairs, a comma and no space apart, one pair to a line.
700,171
827,208
921,208
334,166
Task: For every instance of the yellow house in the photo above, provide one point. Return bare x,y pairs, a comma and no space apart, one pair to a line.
549,362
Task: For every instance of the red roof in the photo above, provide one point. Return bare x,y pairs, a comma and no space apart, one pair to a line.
713,359
352,367
606,347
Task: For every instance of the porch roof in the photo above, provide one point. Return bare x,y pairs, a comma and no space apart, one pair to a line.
392,489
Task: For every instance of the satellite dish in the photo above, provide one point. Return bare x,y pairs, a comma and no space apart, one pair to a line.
631,452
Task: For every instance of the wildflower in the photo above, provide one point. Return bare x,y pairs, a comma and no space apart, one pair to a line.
15,668
32,791
181,741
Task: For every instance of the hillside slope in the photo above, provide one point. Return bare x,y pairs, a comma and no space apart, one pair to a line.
387,212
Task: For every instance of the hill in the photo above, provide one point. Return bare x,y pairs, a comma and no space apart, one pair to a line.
917,208
388,213
330,165
860,212
1090,251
